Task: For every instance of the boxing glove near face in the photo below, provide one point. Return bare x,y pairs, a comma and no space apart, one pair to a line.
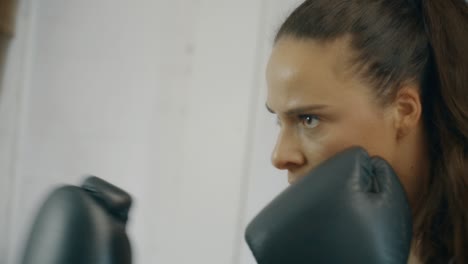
81,225
350,209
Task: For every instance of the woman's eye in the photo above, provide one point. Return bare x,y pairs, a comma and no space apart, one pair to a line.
309,121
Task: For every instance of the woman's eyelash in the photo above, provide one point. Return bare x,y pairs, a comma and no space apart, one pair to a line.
305,116
301,118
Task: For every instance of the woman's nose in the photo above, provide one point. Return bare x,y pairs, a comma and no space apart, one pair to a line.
287,153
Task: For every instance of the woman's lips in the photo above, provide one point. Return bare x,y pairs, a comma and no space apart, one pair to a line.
292,178
296,176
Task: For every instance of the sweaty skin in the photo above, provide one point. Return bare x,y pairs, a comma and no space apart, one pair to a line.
323,107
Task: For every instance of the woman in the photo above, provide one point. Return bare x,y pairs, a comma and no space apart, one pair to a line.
392,77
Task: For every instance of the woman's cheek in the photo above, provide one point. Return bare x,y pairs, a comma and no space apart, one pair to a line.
323,144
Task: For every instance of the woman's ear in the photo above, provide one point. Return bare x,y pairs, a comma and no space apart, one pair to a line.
408,110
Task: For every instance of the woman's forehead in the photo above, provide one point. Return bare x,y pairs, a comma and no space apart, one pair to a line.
306,56
303,72
306,67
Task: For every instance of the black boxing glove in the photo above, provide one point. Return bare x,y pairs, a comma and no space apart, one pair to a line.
350,209
81,226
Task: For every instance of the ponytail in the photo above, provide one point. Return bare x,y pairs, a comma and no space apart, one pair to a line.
441,225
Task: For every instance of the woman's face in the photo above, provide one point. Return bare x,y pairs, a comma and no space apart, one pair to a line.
322,107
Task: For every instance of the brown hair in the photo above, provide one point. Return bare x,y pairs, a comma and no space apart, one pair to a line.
425,41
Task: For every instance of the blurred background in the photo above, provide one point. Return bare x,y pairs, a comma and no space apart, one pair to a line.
164,98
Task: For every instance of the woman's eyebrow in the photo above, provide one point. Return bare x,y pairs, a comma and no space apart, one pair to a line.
300,109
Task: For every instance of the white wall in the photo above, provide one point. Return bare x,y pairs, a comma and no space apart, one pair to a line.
12,90
163,98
